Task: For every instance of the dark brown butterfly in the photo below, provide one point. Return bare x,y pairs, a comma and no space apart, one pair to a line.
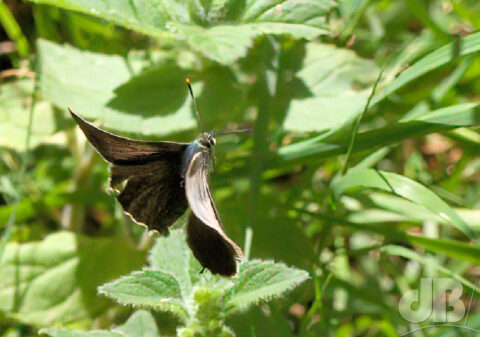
155,182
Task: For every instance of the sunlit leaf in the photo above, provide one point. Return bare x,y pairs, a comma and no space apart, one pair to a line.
171,254
456,249
329,145
97,86
332,76
427,261
64,332
206,33
55,280
262,280
140,324
16,99
469,45
401,186
147,288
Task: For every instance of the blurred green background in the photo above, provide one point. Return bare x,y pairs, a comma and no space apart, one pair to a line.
368,226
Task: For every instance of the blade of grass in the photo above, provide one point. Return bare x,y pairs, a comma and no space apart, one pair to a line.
434,60
454,249
414,256
441,90
13,30
353,21
356,125
421,12
23,168
440,120
404,187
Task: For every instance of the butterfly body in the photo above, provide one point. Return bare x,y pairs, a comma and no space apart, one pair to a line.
155,183
204,144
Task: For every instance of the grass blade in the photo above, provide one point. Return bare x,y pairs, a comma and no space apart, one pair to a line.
13,31
23,168
356,126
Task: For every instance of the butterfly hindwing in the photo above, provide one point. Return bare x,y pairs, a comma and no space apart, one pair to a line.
155,182
205,236
147,176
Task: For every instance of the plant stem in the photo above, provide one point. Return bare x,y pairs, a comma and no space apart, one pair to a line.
356,126
11,220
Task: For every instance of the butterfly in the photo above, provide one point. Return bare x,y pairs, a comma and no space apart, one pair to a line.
155,183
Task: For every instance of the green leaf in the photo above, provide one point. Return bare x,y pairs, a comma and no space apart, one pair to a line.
427,261
223,44
222,41
456,115
221,99
81,80
171,254
397,209
63,332
287,10
148,288
332,76
96,86
55,280
456,249
158,91
13,30
275,226
148,17
15,98
333,144
270,322
401,186
140,324
469,45
261,280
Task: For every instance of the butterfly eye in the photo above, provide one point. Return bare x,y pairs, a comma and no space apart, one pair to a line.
212,141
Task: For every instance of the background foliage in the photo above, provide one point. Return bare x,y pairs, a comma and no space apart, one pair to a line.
367,226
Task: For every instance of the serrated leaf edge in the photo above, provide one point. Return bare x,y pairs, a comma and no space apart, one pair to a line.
233,307
170,305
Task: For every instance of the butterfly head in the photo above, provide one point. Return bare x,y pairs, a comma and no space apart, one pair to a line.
208,139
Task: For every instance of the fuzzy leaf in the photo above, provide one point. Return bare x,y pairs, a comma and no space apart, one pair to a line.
223,44
262,280
140,324
147,288
213,34
55,280
171,254
148,17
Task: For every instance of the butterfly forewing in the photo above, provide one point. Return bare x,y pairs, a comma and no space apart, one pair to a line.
120,150
150,172
209,243
155,182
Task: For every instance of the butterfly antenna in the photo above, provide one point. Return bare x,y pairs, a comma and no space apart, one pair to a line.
194,101
229,132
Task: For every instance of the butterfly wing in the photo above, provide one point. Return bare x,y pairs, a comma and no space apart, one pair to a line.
205,236
146,175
